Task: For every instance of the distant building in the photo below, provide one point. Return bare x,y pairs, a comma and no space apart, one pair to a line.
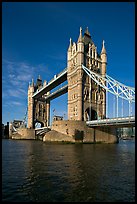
3,128
13,126
6,131
126,132
17,123
57,118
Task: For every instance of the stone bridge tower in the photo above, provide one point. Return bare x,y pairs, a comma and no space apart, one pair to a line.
86,100
38,110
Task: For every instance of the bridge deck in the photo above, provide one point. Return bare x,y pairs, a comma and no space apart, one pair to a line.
41,131
120,122
42,128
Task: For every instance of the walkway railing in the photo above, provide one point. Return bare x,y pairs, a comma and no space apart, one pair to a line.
57,75
111,121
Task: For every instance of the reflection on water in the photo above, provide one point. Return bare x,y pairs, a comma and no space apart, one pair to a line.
35,171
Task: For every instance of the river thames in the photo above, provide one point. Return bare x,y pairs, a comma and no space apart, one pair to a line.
36,171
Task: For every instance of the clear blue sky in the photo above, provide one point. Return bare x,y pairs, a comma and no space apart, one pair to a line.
35,39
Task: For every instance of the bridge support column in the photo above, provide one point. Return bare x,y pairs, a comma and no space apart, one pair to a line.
48,113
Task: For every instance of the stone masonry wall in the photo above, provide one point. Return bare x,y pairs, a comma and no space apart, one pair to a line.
24,133
80,132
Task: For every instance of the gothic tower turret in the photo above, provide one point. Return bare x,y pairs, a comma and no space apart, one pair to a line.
103,59
69,53
31,105
103,73
74,76
80,61
38,109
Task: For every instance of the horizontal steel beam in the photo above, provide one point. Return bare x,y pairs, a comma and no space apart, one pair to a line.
55,94
57,80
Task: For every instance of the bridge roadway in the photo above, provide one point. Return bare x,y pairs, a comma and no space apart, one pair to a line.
117,122
42,130
57,80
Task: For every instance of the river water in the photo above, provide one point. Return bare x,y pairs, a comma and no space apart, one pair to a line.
36,171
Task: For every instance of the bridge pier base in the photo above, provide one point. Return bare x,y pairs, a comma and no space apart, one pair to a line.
24,133
77,131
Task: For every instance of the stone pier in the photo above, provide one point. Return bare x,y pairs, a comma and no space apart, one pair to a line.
77,131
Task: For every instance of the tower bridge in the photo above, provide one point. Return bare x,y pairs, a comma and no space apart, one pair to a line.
87,87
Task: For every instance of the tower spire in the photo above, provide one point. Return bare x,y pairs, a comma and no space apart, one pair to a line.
80,35
32,83
103,48
87,32
103,59
70,44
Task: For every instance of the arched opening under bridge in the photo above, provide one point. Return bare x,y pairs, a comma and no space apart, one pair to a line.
38,124
90,114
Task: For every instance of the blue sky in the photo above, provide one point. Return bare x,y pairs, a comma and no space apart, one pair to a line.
35,39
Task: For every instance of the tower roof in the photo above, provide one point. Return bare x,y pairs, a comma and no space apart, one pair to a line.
87,37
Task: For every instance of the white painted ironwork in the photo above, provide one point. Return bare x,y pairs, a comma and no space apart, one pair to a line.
107,104
114,107
14,129
122,106
111,121
112,86
42,130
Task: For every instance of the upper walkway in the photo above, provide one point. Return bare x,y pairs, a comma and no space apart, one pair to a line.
57,80
55,94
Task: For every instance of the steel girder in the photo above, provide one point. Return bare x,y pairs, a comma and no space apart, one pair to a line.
111,85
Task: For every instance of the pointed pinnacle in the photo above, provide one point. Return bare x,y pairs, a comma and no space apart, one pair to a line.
103,48
70,44
103,43
87,32
80,35
32,83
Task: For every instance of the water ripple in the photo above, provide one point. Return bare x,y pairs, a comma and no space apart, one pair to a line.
35,171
